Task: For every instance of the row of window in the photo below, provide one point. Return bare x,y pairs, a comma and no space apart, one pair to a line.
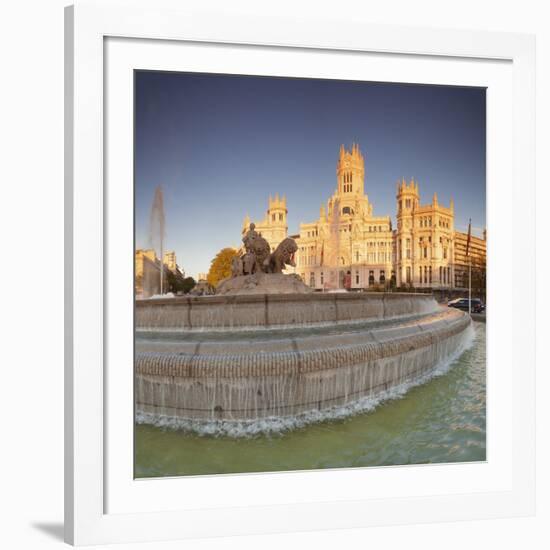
425,275
423,253
381,244
372,258
345,229
274,217
381,258
426,221
371,279
427,271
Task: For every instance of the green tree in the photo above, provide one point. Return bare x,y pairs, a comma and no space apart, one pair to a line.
188,284
220,267
171,281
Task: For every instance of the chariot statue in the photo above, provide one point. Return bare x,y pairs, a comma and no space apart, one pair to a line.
258,269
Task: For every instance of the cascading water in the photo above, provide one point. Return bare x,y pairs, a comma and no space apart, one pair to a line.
235,382
157,228
407,371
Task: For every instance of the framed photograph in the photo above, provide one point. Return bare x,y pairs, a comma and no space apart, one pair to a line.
295,280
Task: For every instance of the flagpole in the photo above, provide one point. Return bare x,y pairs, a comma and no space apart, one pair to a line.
469,285
469,267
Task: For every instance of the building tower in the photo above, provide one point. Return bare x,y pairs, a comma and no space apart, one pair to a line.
273,228
407,203
350,174
276,211
277,227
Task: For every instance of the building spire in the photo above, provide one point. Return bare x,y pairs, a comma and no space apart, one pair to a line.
434,200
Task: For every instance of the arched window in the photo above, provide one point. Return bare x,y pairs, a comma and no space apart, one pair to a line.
346,210
371,278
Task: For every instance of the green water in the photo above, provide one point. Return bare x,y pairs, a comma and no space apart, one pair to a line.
440,421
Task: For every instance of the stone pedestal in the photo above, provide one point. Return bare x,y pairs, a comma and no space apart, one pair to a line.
263,283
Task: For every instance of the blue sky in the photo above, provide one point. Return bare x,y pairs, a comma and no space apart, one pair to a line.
220,145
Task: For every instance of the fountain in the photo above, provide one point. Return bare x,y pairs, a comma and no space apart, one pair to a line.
265,353
157,229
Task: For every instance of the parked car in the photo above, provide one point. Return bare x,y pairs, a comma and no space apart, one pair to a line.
462,303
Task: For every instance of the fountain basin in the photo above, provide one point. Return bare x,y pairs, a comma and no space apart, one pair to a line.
276,310
340,349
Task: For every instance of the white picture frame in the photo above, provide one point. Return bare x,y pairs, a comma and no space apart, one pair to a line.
103,503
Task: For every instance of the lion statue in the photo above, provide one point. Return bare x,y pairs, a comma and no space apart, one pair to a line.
282,256
260,248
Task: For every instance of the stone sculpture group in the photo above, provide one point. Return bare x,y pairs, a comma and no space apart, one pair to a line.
258,257
258,270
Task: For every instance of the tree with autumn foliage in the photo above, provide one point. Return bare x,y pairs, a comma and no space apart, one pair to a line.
220,267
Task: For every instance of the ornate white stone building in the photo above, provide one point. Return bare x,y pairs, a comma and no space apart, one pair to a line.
424,240
348,239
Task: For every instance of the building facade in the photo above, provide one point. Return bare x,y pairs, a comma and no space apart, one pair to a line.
348,242
470,257
147,273
424,240
347,238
